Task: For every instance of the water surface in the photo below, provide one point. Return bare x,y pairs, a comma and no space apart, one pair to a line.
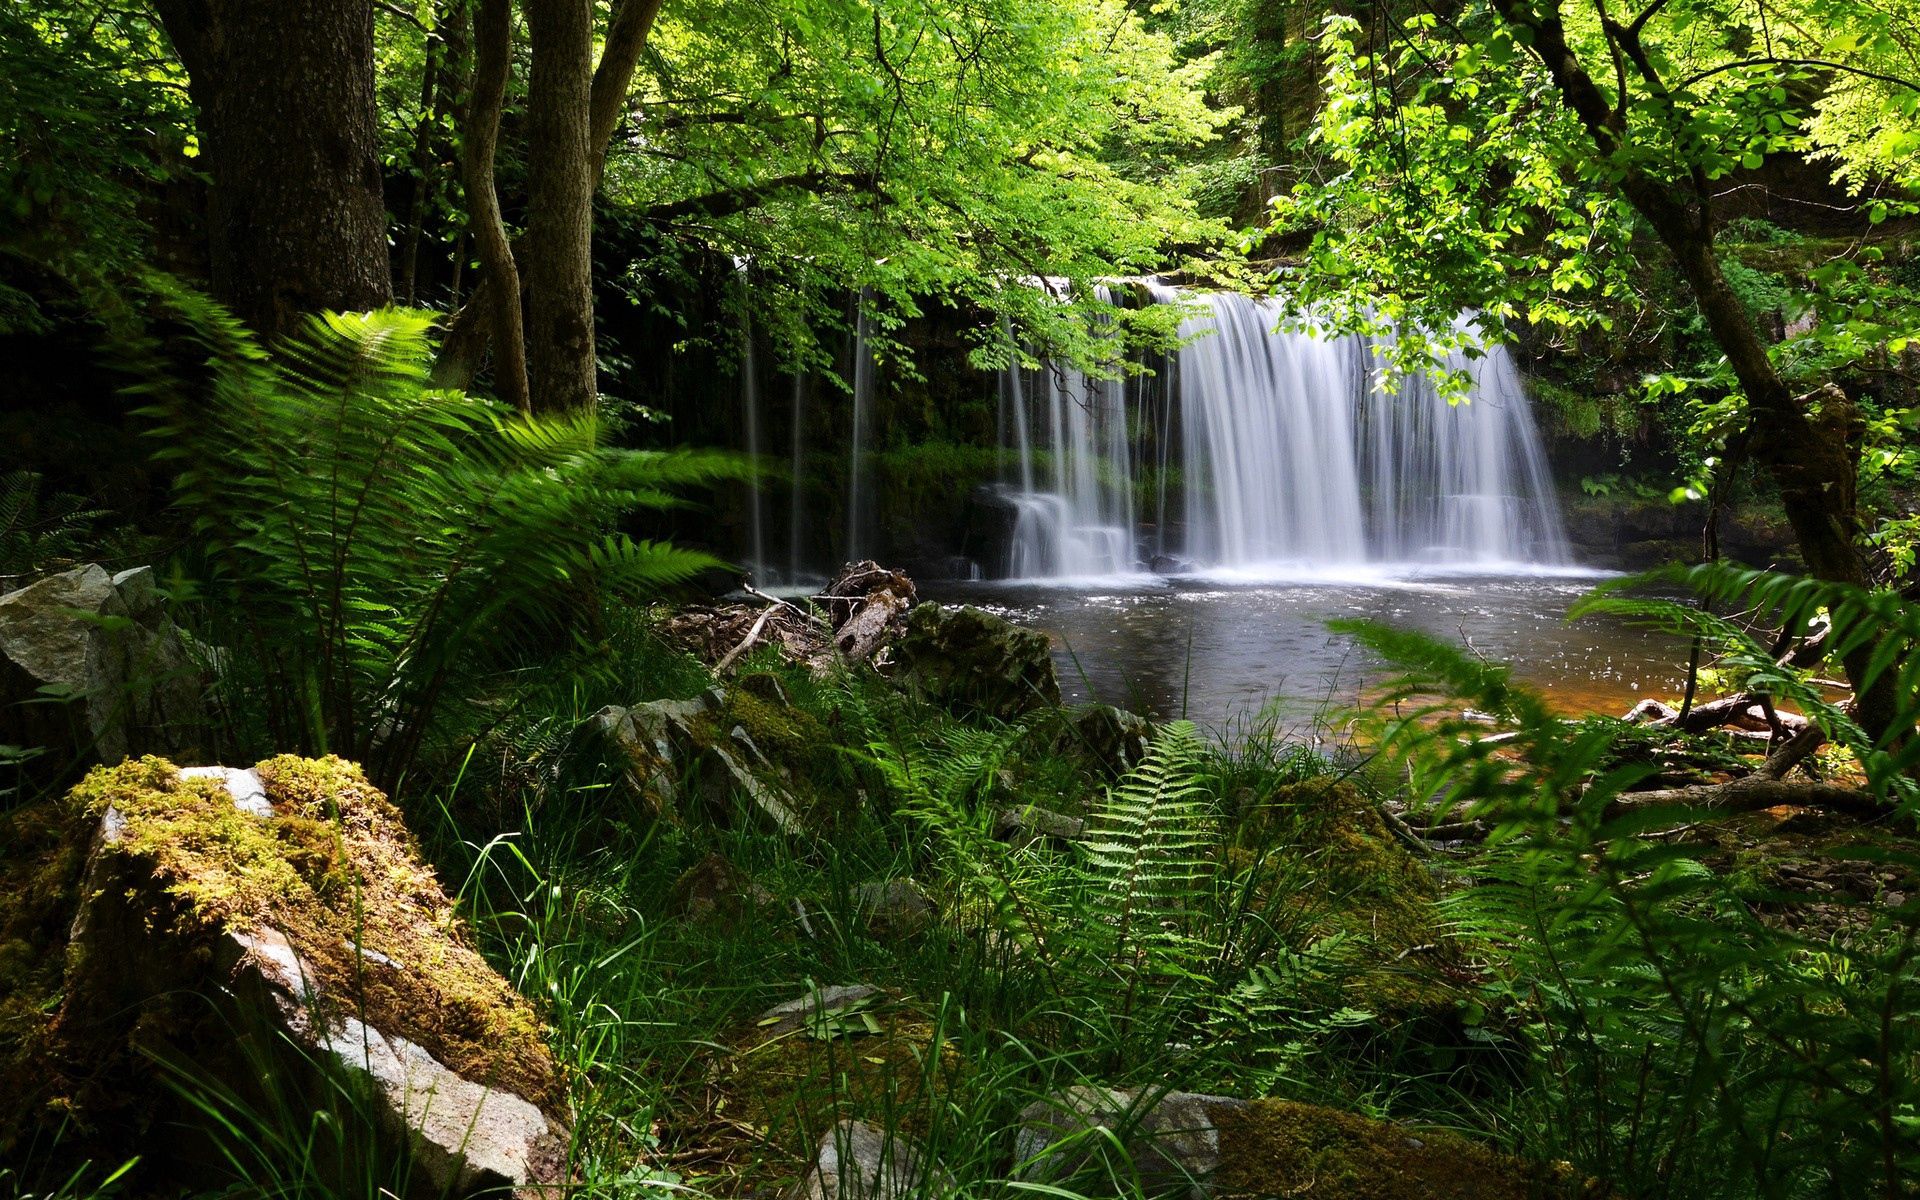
1223,646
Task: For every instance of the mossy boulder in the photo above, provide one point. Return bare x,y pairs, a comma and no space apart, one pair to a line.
1201,1147
224,913
970,660
1281,1148
845,1053
1366,888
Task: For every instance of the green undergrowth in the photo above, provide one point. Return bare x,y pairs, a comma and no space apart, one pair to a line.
1240,973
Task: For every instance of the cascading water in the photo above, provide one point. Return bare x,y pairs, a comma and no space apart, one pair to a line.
1084,525
862,418
1290,458
1294,457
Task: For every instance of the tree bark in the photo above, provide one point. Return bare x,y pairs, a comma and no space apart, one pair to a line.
492,62
289,137
1809,459
465,343
559,239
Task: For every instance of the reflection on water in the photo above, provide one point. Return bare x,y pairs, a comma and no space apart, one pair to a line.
1220,649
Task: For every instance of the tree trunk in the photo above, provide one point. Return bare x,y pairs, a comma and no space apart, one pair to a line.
290,139
557,257
1809,459
492,63
465,344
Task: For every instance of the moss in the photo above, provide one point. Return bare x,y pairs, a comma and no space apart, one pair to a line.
1366,887
882,1064
1278,1147
336,872
42,853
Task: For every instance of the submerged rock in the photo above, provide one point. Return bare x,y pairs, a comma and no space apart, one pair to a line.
92,668
967,659
287,905
856,1161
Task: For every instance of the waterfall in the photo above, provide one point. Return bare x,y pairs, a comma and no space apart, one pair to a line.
750,402
857,440
1084,524
1291,456
796,528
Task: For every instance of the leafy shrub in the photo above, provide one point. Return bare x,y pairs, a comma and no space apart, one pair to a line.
1675,1038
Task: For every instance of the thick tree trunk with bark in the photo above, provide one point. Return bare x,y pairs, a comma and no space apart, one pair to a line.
557,249
290,138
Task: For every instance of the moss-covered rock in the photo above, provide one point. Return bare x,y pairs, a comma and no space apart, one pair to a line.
970,660
843,1053
1280,1148
1366,889
291,898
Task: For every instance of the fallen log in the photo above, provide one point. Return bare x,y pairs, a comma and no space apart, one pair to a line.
1752,793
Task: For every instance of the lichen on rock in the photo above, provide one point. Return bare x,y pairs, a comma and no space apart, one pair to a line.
335,871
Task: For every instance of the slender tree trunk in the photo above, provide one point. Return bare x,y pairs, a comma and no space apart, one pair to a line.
492,63
290,139
558,243
468,329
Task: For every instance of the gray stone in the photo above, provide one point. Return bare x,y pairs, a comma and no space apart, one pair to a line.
1112,739
668,756
856,1161
967,659
92,668
795,1014
714,887
1170,1137
894,907
1032,821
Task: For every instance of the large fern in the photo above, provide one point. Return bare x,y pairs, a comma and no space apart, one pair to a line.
1149,855
378,541
1673,1041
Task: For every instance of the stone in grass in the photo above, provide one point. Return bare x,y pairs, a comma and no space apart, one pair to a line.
969,660
801,1011
292,895
1026,821
894,908
1282,1147
856,1161
714,887
92,667
1112,739
1171,1137
670,751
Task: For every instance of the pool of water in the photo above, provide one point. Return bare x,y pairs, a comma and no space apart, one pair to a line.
1220,648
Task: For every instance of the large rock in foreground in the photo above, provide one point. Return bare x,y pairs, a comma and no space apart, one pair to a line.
92,668
964,658
292,897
